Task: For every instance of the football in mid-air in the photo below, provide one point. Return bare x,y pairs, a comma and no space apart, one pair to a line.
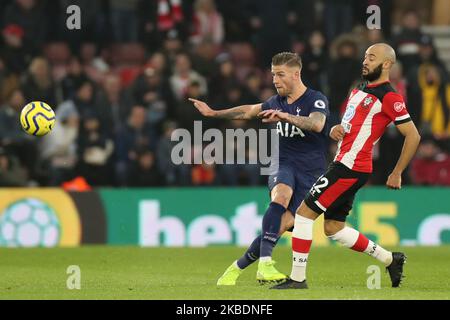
37,118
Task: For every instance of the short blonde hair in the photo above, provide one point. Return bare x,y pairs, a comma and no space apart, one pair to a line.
289,59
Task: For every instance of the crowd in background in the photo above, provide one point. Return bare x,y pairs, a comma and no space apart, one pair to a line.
120,84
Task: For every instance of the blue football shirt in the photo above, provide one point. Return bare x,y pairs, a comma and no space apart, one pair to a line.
306,150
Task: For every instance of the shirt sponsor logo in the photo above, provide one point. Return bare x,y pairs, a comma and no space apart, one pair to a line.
349,113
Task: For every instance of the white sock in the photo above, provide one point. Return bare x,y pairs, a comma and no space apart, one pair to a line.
265,259
379,253
355,240
301,243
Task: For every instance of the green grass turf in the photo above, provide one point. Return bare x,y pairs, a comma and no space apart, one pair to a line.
191,273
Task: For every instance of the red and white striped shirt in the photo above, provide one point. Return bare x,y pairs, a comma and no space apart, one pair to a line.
370,109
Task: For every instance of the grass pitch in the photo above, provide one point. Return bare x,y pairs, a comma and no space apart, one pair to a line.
191,273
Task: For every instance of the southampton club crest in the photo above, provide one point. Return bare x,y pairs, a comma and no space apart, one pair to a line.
367,102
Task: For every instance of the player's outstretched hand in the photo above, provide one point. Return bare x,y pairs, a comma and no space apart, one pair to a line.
203,108
394,181
269,116
337,133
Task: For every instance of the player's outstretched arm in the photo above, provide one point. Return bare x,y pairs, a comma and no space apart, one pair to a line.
412,139
244,112
315,122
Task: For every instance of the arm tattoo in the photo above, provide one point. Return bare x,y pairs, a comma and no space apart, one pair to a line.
244,112
307,123
231,114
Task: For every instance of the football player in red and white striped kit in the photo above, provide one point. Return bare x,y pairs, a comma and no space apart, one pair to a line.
371,107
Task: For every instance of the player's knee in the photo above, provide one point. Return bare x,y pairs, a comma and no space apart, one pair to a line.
330,228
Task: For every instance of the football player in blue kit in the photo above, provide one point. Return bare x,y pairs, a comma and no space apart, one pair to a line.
300,114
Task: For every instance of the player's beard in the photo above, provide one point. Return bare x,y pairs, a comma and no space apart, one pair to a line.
374,75
285,91
281,91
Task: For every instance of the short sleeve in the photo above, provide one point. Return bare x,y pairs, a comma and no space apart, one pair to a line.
395,108
269,103
320,104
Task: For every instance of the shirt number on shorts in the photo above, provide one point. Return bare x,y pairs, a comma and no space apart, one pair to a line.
320,184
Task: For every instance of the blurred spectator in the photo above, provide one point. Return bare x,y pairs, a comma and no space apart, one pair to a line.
158,61
315,59
8,81
135,135
94,152
59,149
224,78
236,24
83,101
14,140
187,113
158,18
93,64
152,90
207,23
398,81
431,166
416,83
172,46
30,16
204,174
15,55
427,54
38,84
143,171
375,36
344,69
183,75
253,85
204,58
239,175
180,174
406,42
269,27
365,38
113,105
147,29
429,101
301,18
123,20
11,172
75,75
233,96
338,18
170,13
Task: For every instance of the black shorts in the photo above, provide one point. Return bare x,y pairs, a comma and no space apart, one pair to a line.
334,192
